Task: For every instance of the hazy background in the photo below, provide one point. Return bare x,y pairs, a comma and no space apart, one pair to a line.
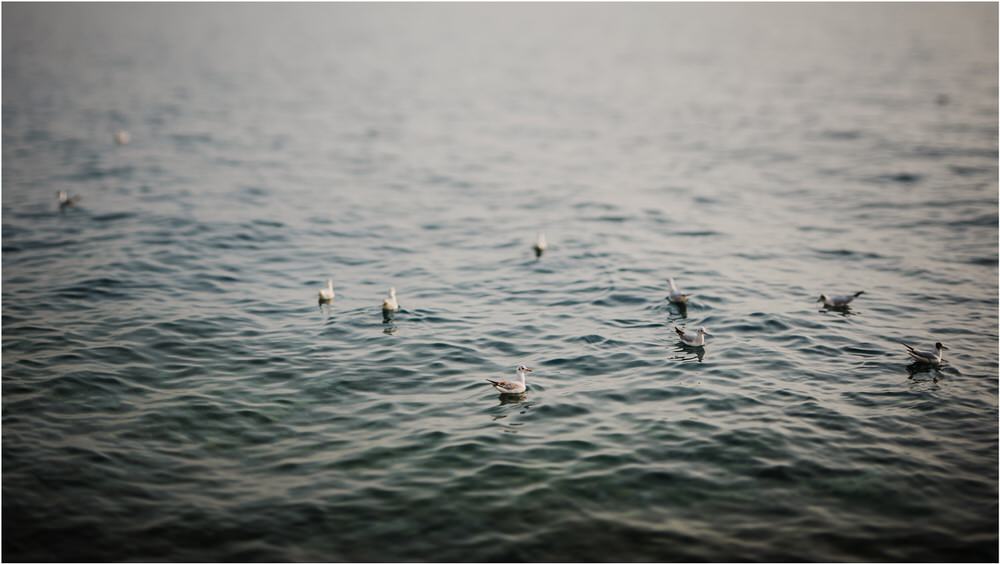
171,391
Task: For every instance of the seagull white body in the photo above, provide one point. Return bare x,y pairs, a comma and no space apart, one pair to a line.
512,386
326,294
838,301
676,295
390,304
65,200
695,340
540,245
925,357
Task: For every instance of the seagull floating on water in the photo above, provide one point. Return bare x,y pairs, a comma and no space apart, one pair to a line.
122,137
540,245
697,340
390,305
925,357
65,201
326,294
838,301
676,295
515,387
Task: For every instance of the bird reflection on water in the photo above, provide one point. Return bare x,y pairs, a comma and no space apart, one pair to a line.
326,310
688,353
921,375
387,316
845,311
507,404
915,369
508,399
682,311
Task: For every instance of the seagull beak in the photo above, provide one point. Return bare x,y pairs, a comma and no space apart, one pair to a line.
945,348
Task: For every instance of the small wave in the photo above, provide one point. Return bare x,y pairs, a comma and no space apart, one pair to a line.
109,217
842,134
702,233
614,300
900,178
847,253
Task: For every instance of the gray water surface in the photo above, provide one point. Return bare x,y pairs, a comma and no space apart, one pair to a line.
172,390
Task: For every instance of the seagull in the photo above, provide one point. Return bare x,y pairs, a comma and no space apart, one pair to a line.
515,387
837,301
122,137
390,304
693,340
326,294
540,245
924,357
675,295
65,201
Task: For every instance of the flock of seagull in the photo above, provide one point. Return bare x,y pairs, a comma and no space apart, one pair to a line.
695,340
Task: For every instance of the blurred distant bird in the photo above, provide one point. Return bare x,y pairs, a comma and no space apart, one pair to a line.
390,305
65,201
676,295
122,137
326,294
837,301
697,340
515,387
540,245
925,357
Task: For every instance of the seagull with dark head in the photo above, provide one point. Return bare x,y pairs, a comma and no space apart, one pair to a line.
927,357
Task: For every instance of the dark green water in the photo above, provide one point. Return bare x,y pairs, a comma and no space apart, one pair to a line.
172,391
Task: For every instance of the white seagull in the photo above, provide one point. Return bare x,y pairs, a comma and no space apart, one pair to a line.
838,301
515,387
675,295
326,294
925,357
697,340
122,137
390,304
65,201
540,245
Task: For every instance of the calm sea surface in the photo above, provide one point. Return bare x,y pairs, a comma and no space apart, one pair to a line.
173,391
